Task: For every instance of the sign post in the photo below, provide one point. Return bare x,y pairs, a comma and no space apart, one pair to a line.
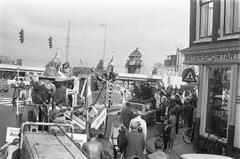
188,75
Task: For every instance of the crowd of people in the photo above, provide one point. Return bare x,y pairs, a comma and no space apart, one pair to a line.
173,107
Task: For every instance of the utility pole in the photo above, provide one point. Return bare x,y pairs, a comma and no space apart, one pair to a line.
104,44
67,42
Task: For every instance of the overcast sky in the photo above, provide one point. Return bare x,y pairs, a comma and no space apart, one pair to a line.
156,27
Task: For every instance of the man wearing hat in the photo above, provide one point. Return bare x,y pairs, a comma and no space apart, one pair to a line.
142,122
135,142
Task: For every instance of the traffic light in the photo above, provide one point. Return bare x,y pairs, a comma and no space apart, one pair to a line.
21,35
50,42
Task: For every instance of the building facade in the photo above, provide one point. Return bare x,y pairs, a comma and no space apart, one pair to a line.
214,45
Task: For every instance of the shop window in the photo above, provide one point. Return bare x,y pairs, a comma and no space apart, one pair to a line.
231,16
218,100
206,18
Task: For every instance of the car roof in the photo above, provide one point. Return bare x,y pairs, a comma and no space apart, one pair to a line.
201,156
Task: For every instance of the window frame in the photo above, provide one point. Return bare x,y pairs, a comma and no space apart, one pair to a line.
201,4
224,18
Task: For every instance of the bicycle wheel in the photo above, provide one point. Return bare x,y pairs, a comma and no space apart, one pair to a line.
219,150
187,136
158,133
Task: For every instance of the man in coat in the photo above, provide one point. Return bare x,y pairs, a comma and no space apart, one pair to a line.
135,143
126,115
93,147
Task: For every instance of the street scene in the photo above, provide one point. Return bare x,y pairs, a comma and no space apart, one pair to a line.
120,79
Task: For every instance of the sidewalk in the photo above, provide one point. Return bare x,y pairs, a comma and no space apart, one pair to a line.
179,146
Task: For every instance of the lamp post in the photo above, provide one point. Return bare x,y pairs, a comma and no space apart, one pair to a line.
104,44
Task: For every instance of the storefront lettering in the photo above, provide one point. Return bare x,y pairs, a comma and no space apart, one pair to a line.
211,57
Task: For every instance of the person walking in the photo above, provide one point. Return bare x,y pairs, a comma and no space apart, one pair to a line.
158,154
166,134
135,143
143,124
93,147
126,115
115,129
172,124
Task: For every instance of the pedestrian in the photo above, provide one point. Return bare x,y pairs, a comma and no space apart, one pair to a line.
166,134
121,139
157,97
172,124
126,115
22,90
12,150
135,143
165,109
158,154
115,129
143,124
189,113
177,114
93,147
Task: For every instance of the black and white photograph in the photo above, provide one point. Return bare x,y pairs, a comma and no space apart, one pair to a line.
120,79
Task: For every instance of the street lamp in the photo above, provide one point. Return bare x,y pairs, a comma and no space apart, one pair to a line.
104,45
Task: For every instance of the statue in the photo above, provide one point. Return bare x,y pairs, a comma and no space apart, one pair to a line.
53,66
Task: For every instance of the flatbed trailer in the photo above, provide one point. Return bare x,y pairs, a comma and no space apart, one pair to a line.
51,144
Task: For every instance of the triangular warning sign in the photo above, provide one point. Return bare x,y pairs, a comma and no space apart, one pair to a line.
189,76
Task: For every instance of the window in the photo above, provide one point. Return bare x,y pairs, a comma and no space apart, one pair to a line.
231,16
206,18
218,100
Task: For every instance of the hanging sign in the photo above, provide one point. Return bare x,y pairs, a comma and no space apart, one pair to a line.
188,75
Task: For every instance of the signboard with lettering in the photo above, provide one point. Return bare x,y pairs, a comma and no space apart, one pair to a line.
99,119
211,57
188,75
12,133
79,138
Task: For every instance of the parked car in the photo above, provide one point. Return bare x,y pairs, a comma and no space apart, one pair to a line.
4,85
201,156
16,81
145,106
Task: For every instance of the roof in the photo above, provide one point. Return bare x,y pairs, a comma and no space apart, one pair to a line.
233,45
135,53
138,77
25,68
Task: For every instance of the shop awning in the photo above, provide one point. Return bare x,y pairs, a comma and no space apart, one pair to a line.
223,46
224,52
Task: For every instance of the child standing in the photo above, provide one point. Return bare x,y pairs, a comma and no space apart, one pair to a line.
166,134
172,125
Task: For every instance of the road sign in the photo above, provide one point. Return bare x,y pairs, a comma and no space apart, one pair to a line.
189,75
12,133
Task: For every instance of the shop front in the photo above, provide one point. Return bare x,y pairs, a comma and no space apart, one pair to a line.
218,108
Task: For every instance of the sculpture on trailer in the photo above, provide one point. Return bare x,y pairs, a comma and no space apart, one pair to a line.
66,69
53,67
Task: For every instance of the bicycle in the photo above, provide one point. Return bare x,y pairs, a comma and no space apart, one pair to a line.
187,135
213,146
158,129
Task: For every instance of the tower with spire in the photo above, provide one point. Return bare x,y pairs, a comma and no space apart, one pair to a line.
134,62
